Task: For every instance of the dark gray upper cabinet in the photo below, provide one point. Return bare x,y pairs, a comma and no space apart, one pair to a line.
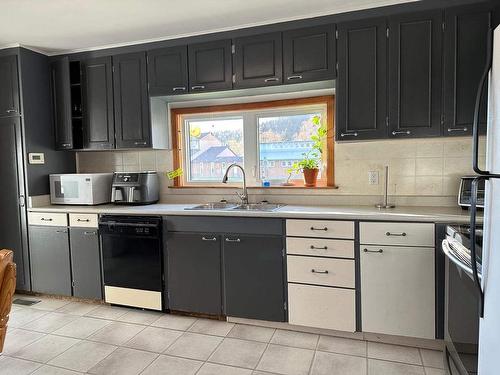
13,218
61,99
168,71
131,104
50,260
361,106
309,54
415,61
210,66
85,263
97,88
9,86
254,277
257,61
194,272
465,45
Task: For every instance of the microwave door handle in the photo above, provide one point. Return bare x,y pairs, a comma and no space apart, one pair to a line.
473,216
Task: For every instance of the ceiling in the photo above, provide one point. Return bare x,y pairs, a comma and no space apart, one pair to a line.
56,26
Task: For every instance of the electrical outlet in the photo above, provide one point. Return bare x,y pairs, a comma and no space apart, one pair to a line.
372,177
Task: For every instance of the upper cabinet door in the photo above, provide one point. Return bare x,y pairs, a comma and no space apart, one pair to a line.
168,71
9,87
210,67
257,61
415,43
465,50
132,128
362,80
97,82
309,54
61,99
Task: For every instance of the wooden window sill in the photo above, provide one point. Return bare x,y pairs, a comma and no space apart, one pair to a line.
319,187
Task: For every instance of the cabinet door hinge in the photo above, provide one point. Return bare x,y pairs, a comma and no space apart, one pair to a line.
283,252
73,283
233,49
336,34
442,119
234,78
443,26
387,32
337,67
285,306
113,68
387,121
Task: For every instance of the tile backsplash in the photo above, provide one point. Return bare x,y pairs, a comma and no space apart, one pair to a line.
421,172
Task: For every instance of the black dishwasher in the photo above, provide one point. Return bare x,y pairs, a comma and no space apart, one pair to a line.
132,260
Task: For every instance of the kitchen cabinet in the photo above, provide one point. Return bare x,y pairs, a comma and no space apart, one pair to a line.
465,51
253,277
9,86
415,72
168,71
98,113
61,101
194,272
50,259
309,54
258,61
85,263
131,102
397,287
362,80
210,66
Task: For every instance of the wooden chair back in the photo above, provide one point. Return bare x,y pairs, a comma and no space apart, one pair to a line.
7,289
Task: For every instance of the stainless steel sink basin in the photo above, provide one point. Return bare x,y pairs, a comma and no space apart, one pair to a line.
214,206
258,207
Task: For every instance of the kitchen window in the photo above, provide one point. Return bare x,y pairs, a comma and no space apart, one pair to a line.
265,138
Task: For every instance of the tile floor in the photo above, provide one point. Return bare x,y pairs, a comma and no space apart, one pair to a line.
63,337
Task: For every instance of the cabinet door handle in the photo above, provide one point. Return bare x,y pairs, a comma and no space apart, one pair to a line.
272,79
66,145
198,87
291,78
93,233
233,240
11,111
355,134
319,271
464,129
62,231
209,239
44,219
388,234
179,88
373,251
319,248
323,229
403,132
84,220
140,143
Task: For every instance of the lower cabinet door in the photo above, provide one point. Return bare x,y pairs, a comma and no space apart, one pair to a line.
253,277
397,290
85,263
50,260
322,307
194,272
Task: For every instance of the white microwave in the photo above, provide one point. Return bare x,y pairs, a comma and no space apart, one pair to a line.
78,188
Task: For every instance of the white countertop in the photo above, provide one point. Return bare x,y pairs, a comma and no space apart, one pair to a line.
426,214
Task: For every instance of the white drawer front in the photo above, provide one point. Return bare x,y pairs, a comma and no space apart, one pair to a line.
320,247
83,220
320,228
46,218
400,234
322,307
321,271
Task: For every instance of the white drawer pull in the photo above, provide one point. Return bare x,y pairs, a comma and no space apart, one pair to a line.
395,234
323,229
373,251
319,248
319,271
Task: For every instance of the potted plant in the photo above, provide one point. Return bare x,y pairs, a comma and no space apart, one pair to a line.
309,165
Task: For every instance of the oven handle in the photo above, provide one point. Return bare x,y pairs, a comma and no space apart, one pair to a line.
447,251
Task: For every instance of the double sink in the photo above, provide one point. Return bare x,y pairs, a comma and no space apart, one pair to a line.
225,206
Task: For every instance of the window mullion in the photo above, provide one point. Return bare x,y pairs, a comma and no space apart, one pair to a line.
250,142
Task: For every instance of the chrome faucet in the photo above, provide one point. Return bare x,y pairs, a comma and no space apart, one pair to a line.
243,196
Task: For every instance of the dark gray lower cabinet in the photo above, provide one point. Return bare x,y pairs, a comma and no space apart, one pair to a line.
253,277
194,272
50,260
85,263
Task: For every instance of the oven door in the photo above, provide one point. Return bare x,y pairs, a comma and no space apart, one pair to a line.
461,316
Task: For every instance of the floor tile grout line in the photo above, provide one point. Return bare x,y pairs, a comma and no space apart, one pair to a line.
265,350
314,355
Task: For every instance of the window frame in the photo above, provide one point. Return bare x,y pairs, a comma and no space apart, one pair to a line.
263,109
